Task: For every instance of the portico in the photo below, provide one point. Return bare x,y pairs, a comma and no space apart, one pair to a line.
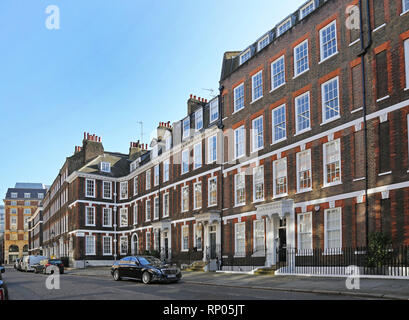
162,234
209,223
280,228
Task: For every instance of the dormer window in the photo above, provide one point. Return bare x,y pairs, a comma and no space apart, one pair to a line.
307,9
284,27
263,42
105,167
245,56
14,194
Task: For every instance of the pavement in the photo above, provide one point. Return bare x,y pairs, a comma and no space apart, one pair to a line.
396,289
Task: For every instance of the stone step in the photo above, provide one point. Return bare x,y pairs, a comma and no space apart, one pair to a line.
265,271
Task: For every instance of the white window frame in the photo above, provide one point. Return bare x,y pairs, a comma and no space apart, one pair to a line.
302,15
104,184
123,212
166,205
148,178
156,208
262,43
301,220
148,243
93,216
256,182
183,209
185,160
275,125
275,194
197,155
104,246
183,249
88,238
326,184
156,175
123,186
196,228
14,195
246,55
239,132
275,62
324,120
326,248
135,213
212,148
236,188
256,235
296,73
236,91
209,202
299,154
405,6
406,50
255,134
195,206
105,167
253,88
106,212
166,170
334,22
242,238
148,209
93,188
296,113
214,111
122,240
199,116
27,195
135,185
186,128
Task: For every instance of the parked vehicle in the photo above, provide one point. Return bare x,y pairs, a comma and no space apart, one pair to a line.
4,295
145,268
42,266
17,265
30,261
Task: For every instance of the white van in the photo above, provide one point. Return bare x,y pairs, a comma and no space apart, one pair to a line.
30,261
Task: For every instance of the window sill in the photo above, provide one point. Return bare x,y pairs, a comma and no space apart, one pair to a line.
384,98
213,205
279,196
329,57
359,179
331,184
403,13
378,28
258,201
330,120
384,173
256,100
304,191
354,42
274,89
301,73
262,254
278,141
237,111
357,110
239,205
406,89
301,132
256,150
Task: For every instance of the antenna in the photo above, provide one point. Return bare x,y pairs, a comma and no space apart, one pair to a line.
141,123
211,92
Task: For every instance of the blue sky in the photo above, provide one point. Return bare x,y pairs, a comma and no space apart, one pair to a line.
111,64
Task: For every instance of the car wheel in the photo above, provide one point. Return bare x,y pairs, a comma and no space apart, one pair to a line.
146,277
116,275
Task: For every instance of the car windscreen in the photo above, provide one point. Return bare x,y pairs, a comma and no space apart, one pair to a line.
149,260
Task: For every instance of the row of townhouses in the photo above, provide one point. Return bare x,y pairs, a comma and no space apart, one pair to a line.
306,146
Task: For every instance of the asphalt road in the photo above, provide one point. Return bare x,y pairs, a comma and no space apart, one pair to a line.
30,286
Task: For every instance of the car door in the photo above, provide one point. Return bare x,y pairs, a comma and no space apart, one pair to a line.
123,267
134,268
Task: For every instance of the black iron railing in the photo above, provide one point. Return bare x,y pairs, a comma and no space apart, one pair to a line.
244,260
388,261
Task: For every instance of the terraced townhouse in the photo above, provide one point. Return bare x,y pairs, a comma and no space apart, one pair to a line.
305,147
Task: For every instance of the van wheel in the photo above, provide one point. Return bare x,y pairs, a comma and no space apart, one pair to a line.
146,277
116,275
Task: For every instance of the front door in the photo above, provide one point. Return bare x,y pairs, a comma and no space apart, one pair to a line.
282,241
212,245
166,248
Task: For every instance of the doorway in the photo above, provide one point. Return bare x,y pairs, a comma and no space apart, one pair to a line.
212,241
282,241
134,244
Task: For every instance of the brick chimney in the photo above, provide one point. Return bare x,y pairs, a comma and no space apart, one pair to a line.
162,128
194,103
92,146
134,150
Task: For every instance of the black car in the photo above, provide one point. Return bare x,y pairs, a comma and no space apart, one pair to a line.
145,268
4,295
44,264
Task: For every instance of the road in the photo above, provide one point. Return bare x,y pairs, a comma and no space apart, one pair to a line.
30,286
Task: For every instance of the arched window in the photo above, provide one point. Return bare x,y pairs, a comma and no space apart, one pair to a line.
13,248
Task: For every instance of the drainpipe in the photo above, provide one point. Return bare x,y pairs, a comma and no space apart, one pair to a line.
115,210
221,126
364,51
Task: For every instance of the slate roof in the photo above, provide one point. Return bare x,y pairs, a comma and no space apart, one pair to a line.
119,165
